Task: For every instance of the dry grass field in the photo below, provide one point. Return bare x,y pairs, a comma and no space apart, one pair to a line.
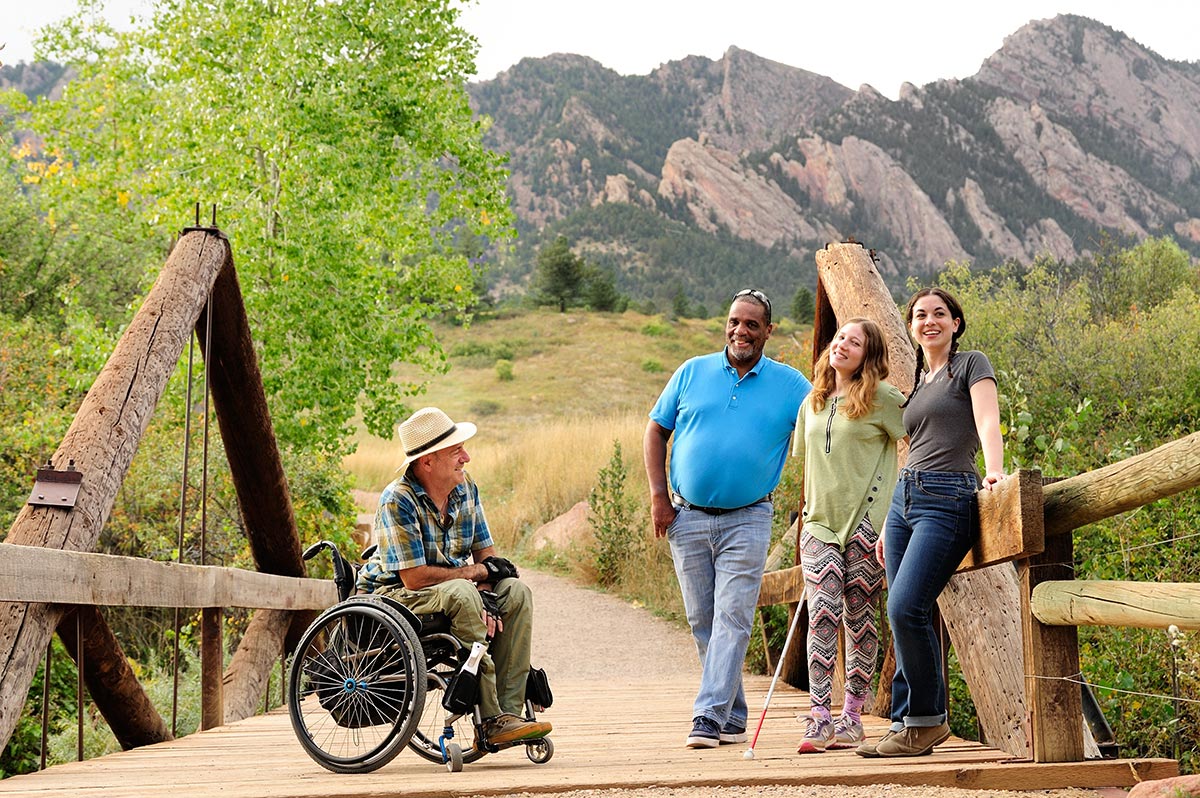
579,381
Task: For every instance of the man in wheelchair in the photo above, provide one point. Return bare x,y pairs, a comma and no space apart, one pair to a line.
436,554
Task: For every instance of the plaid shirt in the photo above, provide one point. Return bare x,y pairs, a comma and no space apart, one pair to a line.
410,532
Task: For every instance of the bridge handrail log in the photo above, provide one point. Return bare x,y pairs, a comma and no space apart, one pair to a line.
52,576
1125,485
1149,605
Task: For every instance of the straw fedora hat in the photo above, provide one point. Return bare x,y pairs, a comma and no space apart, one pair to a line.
428,430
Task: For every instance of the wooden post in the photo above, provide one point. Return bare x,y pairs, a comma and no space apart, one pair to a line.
1051,653
110,681
102,441
212,661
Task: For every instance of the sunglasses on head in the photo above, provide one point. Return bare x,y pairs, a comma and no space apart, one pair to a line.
754,292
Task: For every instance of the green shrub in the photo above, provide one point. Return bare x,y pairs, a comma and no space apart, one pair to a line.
656,328
504,370
486,407
613,521
651,366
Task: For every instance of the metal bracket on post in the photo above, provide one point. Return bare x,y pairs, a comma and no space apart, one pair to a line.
213,229
56,488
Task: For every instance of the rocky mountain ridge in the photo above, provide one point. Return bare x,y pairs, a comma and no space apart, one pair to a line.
1070,131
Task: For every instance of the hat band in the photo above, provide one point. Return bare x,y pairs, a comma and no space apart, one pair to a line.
426,446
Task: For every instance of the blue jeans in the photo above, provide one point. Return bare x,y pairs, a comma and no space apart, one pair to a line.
930,527
719,561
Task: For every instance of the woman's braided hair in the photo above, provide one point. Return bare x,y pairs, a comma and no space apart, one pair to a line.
955,313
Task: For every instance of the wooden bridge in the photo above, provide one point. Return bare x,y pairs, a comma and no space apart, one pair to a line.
623,731
1014,628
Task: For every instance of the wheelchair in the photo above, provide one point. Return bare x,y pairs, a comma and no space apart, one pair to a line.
370,677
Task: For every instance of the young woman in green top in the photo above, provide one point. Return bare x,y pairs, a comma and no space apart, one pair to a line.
846,432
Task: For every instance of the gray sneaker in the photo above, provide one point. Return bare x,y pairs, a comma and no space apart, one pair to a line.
847,733
818,735
732,733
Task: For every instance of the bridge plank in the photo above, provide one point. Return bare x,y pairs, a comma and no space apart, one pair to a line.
622,732
54,576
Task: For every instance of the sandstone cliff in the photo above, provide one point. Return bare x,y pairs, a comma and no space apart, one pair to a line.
1070,130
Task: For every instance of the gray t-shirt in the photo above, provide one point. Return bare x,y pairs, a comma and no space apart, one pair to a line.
939,419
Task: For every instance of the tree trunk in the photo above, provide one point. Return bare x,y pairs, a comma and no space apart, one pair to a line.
249,673
102,441
981,608
111,683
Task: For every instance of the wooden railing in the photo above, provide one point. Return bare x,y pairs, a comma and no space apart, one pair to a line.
83,580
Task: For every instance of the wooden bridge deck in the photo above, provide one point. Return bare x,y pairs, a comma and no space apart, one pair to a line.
615,734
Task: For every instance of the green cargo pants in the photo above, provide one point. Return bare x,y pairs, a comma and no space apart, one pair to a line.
505,665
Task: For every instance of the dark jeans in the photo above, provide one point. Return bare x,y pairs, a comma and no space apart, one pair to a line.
930,527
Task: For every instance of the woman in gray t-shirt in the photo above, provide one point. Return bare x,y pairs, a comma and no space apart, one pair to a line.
951,414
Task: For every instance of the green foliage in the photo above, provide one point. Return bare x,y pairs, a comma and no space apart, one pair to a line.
652,366
485,407
338,143
560,275
614,521
600,291
23,752
504,370
656,329
804,306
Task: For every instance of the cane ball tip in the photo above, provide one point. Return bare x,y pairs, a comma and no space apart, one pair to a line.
749,754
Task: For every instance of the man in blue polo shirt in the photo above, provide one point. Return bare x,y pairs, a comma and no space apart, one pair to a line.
732,414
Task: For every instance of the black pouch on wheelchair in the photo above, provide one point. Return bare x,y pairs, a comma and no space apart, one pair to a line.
537,689
462,694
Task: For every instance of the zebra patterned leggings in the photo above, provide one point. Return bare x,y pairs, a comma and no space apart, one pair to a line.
841,587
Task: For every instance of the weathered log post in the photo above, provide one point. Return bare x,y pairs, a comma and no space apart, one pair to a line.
981,608
262,489
102,441
110,681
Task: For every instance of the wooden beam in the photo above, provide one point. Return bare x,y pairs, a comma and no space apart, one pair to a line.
1150,605
1011,512
1051,656
50,576
1115,488
102,440
249,673
785,586
247,432
111,682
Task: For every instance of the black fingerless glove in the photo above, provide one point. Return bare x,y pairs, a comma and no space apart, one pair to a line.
499,568
491,607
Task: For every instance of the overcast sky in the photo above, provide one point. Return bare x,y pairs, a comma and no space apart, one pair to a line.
880,42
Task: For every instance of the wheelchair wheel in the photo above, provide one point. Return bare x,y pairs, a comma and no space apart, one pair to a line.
426,739
540,751
356,687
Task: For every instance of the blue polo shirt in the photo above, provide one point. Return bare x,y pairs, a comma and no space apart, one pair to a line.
730,435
